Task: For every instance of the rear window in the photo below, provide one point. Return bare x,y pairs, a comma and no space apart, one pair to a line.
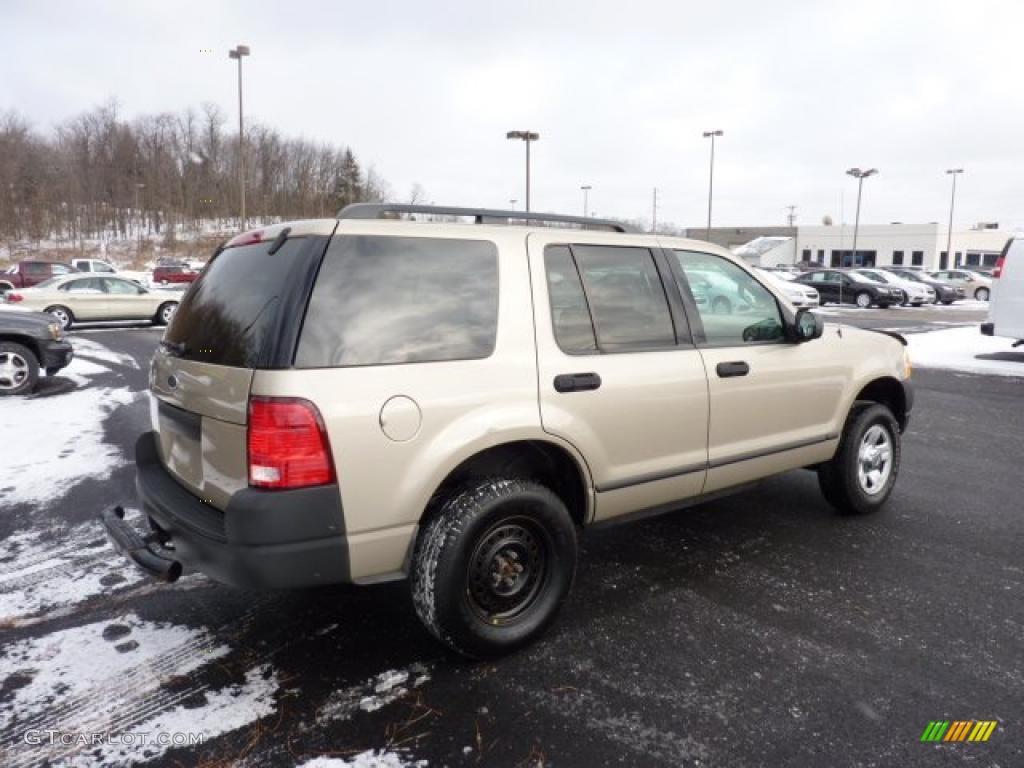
386,300
244,308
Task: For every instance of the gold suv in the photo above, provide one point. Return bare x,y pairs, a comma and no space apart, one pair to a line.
371,398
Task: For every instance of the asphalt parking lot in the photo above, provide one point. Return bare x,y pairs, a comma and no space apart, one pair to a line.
761,629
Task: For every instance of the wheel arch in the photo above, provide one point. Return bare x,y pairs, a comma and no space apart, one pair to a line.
544,461
25,341
887,391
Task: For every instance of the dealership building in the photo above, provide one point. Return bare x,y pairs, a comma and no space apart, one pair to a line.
881,245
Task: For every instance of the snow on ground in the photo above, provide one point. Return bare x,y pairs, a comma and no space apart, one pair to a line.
49,444
369,759
375,693
959,349
42,571
110,677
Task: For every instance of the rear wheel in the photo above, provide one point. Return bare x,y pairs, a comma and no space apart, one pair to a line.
19,369
491,569
62,315
981,294
863,299
165,313
861,475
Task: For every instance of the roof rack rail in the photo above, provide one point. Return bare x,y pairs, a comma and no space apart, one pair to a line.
479,215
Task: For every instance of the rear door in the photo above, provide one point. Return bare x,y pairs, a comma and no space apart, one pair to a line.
619,377
86,298
243,313
1007,307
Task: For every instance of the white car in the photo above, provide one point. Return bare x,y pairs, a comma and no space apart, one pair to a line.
93,265
916,293
1006,306
798,295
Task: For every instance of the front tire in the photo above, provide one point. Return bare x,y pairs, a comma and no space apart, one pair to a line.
861,475
19,369
62,315
165,313
981,294
492,568
863,299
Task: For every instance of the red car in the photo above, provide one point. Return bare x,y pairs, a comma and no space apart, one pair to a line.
31,272
179,273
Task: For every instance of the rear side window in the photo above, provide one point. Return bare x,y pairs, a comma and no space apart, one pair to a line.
243,310
386,300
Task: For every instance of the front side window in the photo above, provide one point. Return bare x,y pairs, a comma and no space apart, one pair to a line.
385,300
734,307
60,269
122,287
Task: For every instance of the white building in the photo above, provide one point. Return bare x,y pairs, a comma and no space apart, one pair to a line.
908,245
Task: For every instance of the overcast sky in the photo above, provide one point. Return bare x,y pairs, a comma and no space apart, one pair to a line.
619,91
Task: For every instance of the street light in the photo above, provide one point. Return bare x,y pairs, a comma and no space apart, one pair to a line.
859,175
586,190
527,136
711,180
950,261
237,53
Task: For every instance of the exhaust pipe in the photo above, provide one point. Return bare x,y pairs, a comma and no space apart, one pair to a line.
136,547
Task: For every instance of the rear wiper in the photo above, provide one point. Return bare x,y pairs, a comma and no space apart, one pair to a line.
278,241
174,347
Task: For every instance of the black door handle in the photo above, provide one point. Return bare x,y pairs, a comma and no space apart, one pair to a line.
576,382
728,370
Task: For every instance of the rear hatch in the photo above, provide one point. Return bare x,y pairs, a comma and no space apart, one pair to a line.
243,313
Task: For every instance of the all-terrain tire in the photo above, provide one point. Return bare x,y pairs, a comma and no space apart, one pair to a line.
463,541
841,481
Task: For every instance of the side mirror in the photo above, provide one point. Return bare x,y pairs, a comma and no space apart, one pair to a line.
807,326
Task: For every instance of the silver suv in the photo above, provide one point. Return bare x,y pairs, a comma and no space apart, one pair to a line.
371,398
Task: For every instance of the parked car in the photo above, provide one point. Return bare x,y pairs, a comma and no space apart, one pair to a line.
166,275
845,287
93,265
914,293
83,298
31,272
944,292
975,285
798,295
30,343
1006,308
385,420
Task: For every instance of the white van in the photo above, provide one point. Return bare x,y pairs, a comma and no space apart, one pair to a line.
1006,308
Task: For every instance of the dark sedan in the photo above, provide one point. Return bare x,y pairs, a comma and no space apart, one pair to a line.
29,342
945,292
841,287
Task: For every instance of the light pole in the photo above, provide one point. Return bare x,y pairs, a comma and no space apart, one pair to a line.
711,178
586,190
527,136
950,261
859,175
237,53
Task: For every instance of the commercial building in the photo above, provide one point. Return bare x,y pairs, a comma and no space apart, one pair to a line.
881,245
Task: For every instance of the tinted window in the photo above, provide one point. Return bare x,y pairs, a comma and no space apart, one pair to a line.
734,307
233,313
122,287
627,299
382,300
570,316
89,285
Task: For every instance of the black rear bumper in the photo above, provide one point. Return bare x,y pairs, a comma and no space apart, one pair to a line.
281,539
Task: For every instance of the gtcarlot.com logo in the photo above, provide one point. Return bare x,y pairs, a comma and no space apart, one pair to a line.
959,730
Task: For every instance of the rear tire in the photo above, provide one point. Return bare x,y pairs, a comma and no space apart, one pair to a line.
492,568
19,369
861,475
62,315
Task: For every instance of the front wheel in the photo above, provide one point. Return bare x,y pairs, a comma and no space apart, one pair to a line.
863,299
981,294
19,369
491,569
861,475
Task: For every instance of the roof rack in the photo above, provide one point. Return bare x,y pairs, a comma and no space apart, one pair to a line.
479,215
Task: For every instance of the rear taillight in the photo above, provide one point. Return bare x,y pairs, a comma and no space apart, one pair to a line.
13,297
288,446
998,270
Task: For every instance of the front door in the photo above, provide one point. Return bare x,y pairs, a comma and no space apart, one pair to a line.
128,301
619,377
772,402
